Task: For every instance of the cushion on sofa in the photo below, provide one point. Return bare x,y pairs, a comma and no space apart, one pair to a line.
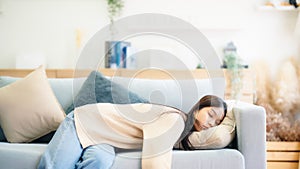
29,108
3,82
99,89
63,88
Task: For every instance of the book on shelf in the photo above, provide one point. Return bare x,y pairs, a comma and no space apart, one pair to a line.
116,54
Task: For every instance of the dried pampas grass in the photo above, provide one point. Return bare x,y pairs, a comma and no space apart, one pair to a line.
290,132
281,100
285,94
263,80
280,127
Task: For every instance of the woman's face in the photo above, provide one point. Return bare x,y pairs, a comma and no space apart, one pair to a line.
208,117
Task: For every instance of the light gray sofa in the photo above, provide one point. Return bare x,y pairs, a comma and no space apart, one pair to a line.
249,147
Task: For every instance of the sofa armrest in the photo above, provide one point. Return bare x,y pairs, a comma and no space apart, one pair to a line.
251,134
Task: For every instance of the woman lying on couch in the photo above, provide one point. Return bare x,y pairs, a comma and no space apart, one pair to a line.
87,138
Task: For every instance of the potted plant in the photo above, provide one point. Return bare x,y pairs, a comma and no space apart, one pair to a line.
116,51
234,66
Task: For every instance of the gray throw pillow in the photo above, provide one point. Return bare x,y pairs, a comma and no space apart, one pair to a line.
98,89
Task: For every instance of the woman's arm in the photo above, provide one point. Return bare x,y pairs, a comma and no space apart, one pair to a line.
159,138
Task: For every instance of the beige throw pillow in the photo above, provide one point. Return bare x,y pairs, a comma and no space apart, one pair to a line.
216,137
29,108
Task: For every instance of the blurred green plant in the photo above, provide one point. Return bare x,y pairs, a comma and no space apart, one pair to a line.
114,9
234,66
200,66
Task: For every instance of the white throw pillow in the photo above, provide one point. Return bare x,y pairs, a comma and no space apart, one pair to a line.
29,108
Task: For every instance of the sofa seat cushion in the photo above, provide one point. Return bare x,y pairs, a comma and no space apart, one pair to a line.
20,155
199,159
27,156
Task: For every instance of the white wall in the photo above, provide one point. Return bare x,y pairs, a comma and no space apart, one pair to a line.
48,28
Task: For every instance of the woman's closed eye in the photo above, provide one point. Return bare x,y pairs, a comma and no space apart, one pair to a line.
210,114
218,116
213,119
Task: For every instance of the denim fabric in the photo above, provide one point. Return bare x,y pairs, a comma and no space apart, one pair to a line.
100,156
65,152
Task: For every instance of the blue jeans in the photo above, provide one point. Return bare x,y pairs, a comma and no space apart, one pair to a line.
65,152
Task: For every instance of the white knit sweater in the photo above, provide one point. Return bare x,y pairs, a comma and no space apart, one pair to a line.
154,128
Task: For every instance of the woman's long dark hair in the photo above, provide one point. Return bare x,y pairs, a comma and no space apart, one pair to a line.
206,101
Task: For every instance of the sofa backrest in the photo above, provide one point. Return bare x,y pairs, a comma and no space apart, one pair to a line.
247,92
182,94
